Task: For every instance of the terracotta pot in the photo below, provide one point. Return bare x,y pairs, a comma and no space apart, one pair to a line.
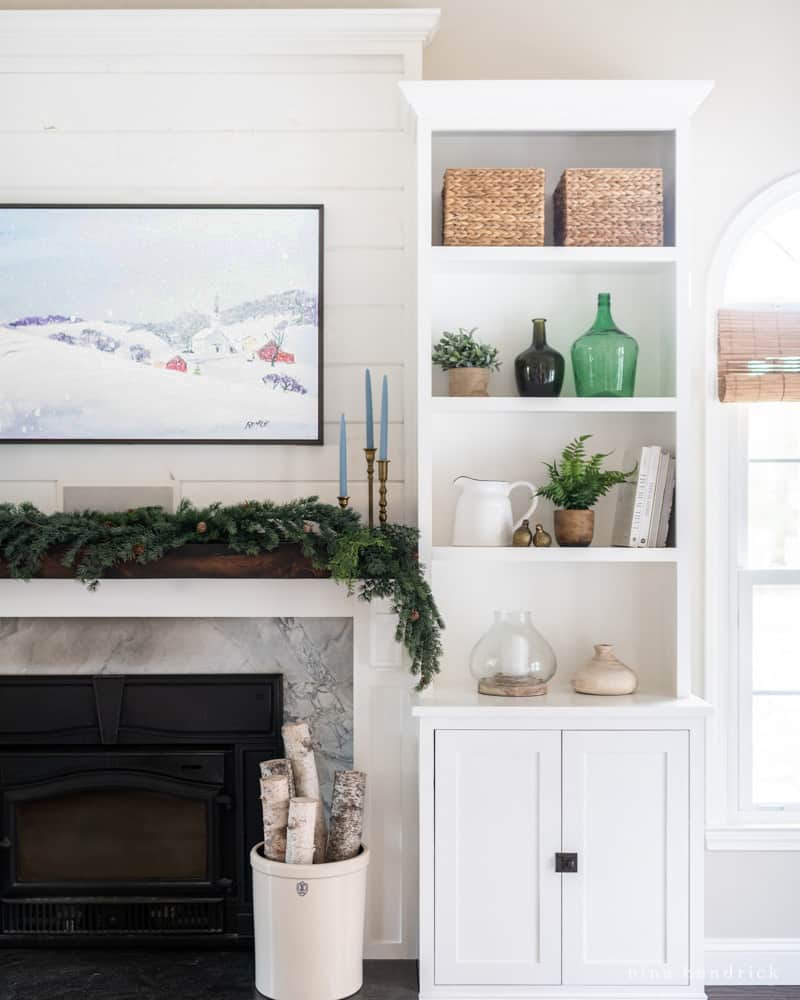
469,381
574,528
605,674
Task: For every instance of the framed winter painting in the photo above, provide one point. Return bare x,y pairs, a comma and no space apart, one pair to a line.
171,323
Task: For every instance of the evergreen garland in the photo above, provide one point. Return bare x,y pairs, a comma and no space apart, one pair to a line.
374,562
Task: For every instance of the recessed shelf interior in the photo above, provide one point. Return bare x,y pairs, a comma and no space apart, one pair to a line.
511,447
502,303
578,597
574,606
555,151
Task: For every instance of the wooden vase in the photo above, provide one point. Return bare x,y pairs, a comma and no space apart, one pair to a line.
574,528
469,381
605,674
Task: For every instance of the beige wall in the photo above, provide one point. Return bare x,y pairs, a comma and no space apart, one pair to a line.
746,137
745,134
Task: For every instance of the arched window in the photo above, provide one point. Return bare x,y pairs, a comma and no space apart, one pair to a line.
764,268
753,522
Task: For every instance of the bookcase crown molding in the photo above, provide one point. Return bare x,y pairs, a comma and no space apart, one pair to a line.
555,104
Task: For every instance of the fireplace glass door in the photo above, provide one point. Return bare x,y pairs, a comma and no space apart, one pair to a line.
112,835
153,820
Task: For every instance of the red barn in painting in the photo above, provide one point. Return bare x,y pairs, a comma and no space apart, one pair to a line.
176,364
270,352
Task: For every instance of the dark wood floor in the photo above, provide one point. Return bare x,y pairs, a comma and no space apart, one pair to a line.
135,974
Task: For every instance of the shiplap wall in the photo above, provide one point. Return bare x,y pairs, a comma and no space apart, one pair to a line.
238,106
231,106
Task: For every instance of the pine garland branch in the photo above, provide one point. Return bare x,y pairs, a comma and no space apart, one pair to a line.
372,562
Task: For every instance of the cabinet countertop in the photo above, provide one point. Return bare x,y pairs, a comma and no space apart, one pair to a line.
470,704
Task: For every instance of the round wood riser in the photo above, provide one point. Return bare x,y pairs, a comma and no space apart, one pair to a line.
511,689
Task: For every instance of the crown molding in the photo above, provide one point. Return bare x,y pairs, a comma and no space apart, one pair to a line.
110,32
555,104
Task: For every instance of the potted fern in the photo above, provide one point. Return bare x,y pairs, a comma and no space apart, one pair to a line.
467,362
576,484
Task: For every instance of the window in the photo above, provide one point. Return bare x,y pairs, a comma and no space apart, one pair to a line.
763,580
768,613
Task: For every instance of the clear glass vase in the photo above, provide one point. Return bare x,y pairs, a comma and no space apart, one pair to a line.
604,358
512,658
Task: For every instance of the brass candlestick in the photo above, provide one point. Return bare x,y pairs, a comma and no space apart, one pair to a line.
343,502
383,475
370,453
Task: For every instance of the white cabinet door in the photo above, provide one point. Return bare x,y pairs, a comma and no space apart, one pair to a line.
498,826
626,814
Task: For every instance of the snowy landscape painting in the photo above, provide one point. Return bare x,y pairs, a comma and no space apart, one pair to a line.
161,324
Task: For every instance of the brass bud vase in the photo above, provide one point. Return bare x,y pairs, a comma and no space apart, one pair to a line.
522,537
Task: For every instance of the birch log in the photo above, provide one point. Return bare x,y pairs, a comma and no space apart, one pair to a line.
300,833
347,815
275,811
280,765
297,741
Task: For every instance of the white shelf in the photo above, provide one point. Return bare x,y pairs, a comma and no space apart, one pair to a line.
469,704
468,555
477,405
458,260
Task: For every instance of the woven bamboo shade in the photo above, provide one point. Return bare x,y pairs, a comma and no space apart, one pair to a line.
758,356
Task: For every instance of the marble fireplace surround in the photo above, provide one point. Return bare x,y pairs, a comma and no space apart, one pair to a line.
308,630
314,656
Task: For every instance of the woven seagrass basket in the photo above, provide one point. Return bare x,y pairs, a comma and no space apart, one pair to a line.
619,207
493,207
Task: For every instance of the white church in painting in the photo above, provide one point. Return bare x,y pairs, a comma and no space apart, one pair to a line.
213,339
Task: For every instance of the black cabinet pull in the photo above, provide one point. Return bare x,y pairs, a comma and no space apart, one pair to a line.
566,863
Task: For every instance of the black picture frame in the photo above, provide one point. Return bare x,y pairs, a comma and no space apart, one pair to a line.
319,208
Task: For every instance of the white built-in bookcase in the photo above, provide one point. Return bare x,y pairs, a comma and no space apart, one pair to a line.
639,599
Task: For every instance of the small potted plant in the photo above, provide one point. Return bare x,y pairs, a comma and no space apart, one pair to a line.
467,362
576,484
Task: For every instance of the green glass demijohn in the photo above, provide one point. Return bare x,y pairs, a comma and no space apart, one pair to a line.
604,358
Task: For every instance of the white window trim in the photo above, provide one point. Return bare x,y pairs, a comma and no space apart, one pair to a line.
730,828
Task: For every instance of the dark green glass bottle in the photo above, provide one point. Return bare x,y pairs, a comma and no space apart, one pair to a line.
604,358
539,370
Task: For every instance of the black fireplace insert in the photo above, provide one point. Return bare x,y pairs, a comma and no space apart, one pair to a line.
128,805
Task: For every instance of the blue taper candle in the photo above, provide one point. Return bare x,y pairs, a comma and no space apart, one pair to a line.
342,458
383,451
370,419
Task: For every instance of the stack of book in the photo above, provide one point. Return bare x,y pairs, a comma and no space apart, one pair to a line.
644,506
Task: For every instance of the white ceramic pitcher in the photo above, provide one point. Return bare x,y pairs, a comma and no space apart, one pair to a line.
483,511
